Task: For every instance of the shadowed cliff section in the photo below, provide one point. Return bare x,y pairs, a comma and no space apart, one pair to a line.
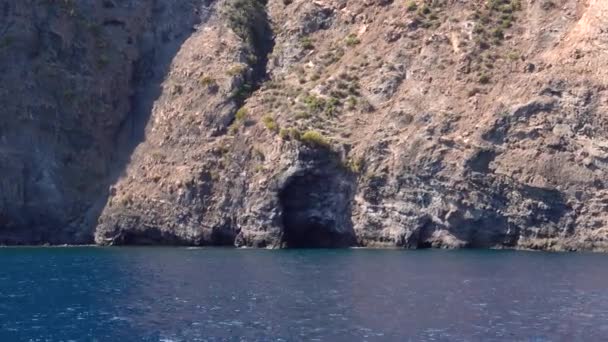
168,192
172,24
70,134
249,20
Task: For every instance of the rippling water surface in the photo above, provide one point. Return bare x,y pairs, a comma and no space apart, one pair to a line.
177,294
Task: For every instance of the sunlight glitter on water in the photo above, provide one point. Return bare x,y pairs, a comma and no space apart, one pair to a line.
177,294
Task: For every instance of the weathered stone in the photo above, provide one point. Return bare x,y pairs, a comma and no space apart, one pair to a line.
162,123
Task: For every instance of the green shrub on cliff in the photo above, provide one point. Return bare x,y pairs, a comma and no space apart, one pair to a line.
207,81
289,133
270,123
352,40
307,43
354,165
314,139
241,115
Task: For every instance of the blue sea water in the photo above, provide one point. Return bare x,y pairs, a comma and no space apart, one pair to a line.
180,294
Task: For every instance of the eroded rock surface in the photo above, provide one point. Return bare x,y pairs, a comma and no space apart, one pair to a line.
69,73
306,124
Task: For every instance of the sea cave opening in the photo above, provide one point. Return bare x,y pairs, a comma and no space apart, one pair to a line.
316,212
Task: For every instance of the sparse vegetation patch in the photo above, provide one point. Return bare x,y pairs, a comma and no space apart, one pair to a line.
314,139
270,123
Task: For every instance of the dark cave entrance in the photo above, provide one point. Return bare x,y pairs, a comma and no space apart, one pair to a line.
316,211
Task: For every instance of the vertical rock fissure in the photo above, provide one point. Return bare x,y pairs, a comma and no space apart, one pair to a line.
249,20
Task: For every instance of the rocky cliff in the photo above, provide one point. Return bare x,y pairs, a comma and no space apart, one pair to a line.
296,123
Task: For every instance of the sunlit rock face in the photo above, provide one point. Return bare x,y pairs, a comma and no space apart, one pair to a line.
304,124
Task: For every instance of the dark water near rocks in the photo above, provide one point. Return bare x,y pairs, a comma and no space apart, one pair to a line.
173,294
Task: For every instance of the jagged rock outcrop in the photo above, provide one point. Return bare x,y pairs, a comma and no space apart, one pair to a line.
334,123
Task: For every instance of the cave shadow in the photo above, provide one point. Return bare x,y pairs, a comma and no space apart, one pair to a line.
316,205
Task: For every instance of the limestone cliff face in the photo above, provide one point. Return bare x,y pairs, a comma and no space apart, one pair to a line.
306,123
